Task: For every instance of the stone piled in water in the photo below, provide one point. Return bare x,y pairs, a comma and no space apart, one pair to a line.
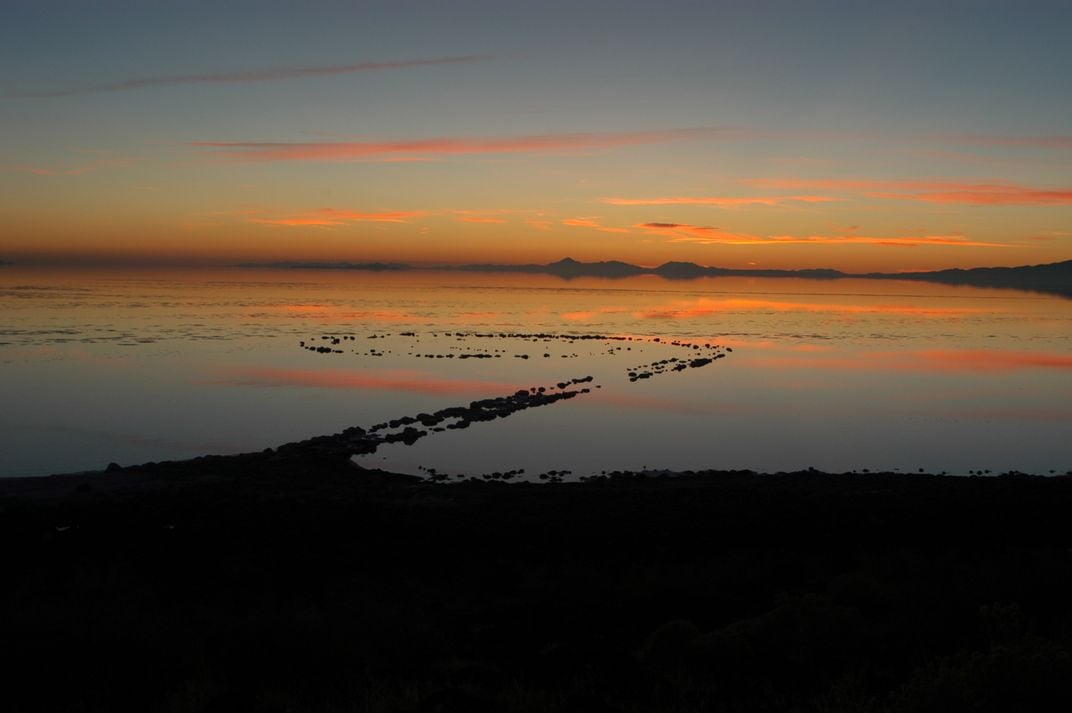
700,354
409,429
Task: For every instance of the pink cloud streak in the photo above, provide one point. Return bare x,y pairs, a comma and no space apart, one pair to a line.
365,150
329,217
414,382
593,224
999,193
710,235
721,202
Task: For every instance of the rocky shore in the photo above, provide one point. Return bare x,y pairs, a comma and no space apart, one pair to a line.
290,580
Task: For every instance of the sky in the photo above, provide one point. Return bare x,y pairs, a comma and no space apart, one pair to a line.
893,136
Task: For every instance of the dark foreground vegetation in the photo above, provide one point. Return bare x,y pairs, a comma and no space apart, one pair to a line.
282,583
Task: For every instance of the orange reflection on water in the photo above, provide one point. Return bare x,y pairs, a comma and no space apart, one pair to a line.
588,315
992,360
333,313
704,306
378,380
931,360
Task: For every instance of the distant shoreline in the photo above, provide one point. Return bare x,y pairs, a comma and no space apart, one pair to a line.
1050,278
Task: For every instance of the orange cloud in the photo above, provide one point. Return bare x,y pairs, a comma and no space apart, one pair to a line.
329,217
931,191
479,219
898,241
983,194
702,234
364,150
489,215
262,75
387,380
710,235
592,223
720,202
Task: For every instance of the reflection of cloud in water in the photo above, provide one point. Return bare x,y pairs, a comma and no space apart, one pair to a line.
588,315
382,380
704,306
932,360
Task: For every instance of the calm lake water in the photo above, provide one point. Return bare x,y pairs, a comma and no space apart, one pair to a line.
135,366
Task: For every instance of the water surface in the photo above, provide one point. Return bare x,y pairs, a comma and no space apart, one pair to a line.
100,366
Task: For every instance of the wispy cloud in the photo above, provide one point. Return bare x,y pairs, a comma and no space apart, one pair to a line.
710,235
257,151
989,193
330,217
274,74
703,234
489,215
592,223
479,219
721,201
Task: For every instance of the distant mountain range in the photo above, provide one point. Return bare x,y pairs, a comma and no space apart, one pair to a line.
1053,278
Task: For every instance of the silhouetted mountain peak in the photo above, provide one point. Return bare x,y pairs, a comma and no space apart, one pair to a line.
676,268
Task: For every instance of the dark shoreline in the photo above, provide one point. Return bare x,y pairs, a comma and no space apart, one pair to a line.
290,580
1049,278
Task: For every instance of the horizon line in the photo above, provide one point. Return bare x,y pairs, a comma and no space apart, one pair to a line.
136,261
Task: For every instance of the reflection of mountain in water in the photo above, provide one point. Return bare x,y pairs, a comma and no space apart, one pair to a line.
1053,278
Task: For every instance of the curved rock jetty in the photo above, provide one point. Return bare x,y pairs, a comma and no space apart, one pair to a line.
409,429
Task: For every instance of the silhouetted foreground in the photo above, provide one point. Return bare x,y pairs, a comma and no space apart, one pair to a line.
291,581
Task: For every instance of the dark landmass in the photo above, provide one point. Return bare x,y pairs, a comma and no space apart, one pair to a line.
1053,278
290,580
570,268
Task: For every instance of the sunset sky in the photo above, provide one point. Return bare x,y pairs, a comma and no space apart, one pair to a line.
854,135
